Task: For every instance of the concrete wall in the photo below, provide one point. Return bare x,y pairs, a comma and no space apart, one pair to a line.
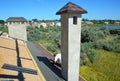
71,36
64,45
18,31
10,23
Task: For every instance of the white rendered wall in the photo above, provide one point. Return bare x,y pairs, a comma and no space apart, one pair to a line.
18,31
71,36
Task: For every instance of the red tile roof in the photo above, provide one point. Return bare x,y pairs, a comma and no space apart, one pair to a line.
16,19
71,8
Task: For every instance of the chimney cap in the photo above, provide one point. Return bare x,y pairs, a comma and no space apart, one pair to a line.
71,8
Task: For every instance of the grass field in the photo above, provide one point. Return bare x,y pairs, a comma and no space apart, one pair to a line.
106,67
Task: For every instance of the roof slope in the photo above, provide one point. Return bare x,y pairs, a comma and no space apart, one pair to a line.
16,19
71,8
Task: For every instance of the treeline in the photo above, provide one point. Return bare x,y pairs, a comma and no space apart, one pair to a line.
36,20
104,21
2,22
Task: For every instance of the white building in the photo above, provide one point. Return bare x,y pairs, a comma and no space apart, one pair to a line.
43,24
58,23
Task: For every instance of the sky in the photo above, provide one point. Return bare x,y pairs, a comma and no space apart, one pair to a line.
46,9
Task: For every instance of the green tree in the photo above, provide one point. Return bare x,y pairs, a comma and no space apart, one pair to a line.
2,22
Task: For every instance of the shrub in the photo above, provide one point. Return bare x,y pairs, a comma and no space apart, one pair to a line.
50,47
87,48
84,60
115,31
49,37
107,46
117,48
92,34
4,29
92,55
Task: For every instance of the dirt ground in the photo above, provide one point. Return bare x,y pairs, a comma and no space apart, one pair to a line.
8,54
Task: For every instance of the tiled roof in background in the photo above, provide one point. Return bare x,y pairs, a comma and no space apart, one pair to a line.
16,19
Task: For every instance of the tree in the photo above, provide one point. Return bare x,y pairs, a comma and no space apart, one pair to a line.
2,22
35,20
111,21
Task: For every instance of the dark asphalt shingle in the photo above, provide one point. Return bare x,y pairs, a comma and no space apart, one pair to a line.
50,72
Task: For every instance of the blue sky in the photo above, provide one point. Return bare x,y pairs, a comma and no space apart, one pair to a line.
46,9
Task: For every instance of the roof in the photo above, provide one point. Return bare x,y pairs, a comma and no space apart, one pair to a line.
71,8
16,19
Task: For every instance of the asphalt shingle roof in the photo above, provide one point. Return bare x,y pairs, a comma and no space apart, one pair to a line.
16,19
71,8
